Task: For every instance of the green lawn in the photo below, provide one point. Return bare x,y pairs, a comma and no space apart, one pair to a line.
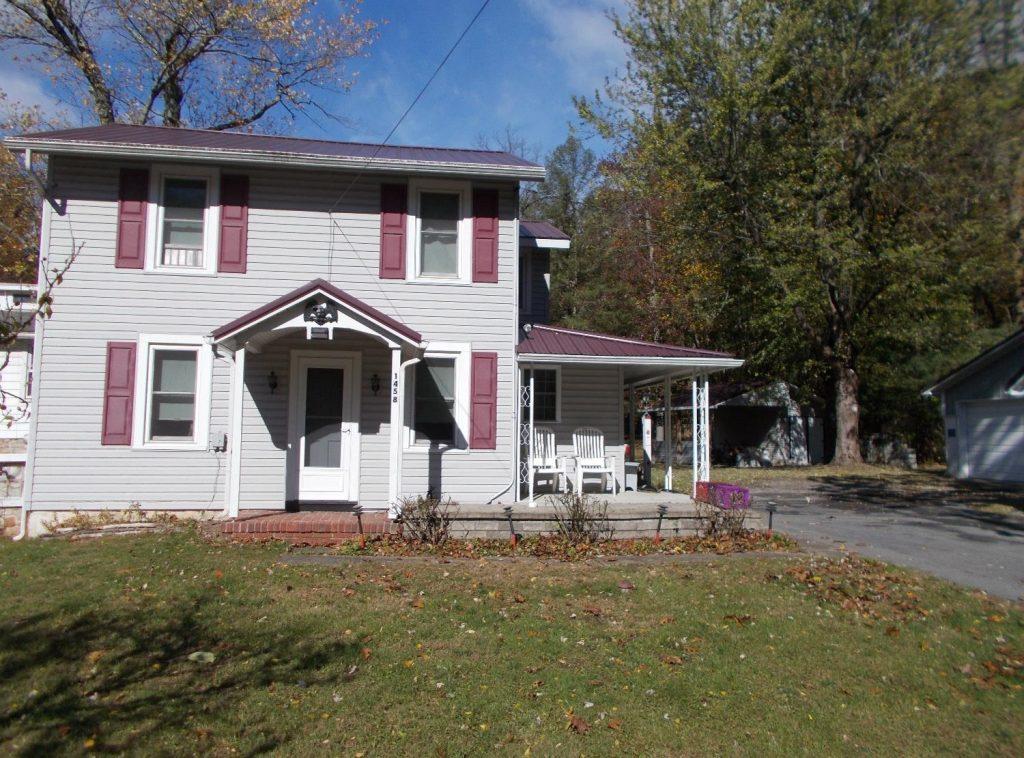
664,656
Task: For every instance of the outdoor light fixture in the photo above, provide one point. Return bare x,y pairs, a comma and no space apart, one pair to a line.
272,382
375,384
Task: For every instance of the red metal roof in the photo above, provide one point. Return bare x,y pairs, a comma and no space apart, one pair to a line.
305,291
541,230
159,136
552,340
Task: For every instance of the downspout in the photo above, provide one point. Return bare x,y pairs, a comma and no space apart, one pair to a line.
516,372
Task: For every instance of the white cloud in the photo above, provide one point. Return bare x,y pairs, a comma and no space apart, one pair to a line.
582,35
27,89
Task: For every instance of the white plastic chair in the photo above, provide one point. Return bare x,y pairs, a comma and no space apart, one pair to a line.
588,444
545,461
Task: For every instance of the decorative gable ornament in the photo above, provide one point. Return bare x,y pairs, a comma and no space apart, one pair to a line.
321,318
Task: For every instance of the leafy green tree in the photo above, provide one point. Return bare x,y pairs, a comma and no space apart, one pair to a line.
838,171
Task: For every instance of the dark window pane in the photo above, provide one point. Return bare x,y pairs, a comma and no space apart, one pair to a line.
545,394
434,411
439,233
323,417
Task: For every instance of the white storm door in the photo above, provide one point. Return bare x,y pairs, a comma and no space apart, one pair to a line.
326,429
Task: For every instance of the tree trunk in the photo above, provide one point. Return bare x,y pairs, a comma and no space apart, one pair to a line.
173,95
847,384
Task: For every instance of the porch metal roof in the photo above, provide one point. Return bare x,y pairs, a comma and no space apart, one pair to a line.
552,340
298,295
135,141
642,362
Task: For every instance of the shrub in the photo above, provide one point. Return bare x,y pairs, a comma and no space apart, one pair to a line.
582,519
427,519
713,521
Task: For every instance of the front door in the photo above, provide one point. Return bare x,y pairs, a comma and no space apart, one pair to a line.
324,429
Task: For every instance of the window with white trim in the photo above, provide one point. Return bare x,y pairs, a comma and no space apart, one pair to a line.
440,217
437,389
184,222
172,394
172,397
547,387
184,216
434,402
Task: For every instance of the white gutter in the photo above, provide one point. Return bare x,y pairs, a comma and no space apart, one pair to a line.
632,360
274,158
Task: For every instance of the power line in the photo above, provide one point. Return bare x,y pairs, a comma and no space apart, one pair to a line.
390,134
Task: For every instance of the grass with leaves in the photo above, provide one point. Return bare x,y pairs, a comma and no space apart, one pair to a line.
99,642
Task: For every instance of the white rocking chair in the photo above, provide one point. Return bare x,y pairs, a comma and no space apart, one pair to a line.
588,444
545,461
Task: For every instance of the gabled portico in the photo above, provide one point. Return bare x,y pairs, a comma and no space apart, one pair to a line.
327,347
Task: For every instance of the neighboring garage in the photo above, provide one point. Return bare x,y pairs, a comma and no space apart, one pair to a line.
983,410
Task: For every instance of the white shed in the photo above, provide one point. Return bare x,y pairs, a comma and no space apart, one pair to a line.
983,412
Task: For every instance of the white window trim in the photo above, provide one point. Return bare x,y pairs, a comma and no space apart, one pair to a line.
462,353
465,242
147,343
558,387
211,218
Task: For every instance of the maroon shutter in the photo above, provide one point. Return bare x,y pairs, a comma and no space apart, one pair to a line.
234,224
119,394
483,399
485,235
393,205
133,195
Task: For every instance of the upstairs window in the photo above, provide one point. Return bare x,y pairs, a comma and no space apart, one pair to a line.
441,230
183,231
439,233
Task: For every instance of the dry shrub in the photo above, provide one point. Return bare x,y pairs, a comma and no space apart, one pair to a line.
427,519
714,522
583,519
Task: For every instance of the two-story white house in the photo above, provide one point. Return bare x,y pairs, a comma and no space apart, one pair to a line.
261,322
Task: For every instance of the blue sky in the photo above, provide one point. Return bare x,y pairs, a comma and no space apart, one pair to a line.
519,66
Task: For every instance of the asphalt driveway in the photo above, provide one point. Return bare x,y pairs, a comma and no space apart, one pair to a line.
939,530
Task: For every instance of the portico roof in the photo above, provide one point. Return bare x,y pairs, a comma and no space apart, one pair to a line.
302,294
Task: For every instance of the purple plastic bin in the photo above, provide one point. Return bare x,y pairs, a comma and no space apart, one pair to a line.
724,495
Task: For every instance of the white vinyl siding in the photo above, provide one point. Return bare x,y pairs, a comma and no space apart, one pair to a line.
293,237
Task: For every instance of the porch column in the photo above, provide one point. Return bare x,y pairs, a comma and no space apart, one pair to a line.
666,445
235,433
632,421
395,457
701,438
530,450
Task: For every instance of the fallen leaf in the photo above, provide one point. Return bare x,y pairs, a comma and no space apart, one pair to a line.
625,584
519,598
672,660
893,631
615,724
366,653
579,725
417,603
201,656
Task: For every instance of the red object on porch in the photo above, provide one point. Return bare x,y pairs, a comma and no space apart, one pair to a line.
119,394
393,206
133,199
304,527
485,235
483,399
234,224
724,495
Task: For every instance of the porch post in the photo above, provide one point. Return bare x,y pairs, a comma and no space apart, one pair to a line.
706,423
395,453
701,442
666,445
632,420
235,434
530,448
